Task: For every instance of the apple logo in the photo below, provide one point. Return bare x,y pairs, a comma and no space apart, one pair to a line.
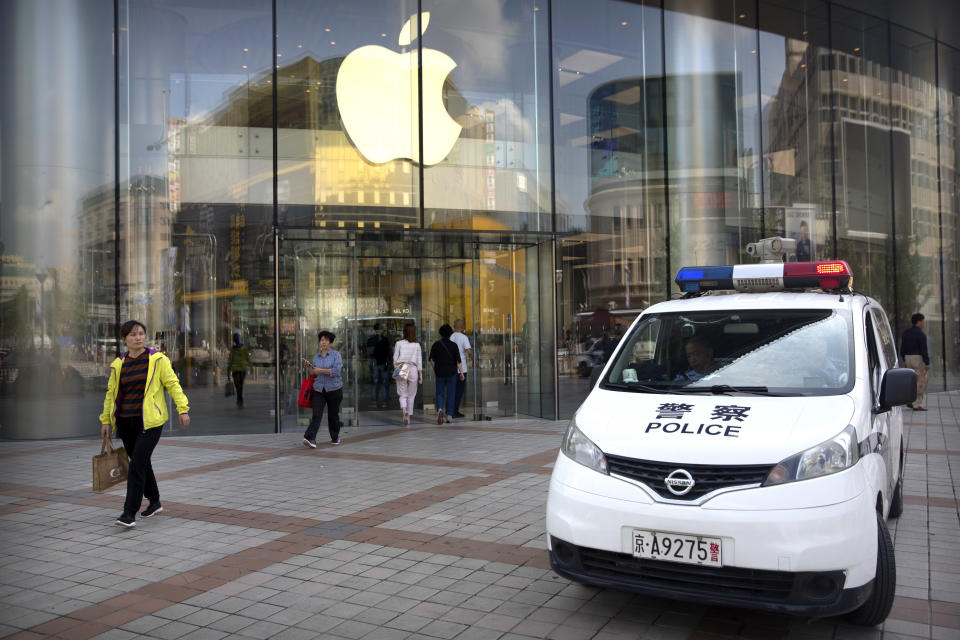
377,97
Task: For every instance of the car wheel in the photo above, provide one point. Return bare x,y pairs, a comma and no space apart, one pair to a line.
877,607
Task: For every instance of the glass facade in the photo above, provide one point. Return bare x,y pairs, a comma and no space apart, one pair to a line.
539,170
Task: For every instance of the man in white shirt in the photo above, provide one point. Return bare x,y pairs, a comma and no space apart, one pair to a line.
466,353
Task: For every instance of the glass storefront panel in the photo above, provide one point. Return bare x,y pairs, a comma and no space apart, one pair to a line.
347,118
57,276
322,276
914,100
610,159
867,151
196,215
795,89
949,102
486,135
713,130
682,129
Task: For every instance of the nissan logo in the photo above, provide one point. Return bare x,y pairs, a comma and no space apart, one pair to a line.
679,482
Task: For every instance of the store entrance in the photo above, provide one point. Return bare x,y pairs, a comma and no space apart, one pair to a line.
359,285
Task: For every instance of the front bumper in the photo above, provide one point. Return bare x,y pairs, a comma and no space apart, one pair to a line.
817,594
810,560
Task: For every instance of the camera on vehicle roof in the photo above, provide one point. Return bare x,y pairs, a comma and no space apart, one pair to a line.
772,248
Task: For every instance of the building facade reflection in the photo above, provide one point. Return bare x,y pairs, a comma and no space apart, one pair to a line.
209,186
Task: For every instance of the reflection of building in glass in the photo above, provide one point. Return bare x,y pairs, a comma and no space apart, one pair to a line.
881,128
595,156
629,165
226,156
16,275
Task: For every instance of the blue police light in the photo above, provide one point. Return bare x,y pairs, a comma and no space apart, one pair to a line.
696,279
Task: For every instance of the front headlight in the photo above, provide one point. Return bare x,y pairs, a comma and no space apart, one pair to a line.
836,454
578,448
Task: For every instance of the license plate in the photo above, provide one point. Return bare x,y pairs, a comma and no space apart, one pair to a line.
677,547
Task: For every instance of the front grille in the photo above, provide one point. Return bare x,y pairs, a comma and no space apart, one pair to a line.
754,584
706,478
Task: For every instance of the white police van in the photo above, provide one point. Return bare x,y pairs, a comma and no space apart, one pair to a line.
742,447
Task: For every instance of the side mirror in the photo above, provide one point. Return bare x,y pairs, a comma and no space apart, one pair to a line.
898,387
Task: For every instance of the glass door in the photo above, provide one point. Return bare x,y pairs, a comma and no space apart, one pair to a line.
320,295
511,343
367,287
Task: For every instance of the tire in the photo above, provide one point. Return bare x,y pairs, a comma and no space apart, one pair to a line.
877,607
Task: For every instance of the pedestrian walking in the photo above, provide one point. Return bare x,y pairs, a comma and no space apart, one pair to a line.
445,358
407,351
327,390
238,364
136,410
460,339
913,348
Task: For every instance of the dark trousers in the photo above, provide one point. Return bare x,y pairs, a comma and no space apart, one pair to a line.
446,393
238,377
380,378
139,443
461,389
331,400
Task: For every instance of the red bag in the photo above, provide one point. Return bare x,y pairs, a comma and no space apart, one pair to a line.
305,398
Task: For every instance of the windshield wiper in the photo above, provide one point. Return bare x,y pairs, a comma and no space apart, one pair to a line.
720,389
636,388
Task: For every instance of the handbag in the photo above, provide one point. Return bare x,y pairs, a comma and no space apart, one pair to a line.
402,371
305,398
110,466
228,389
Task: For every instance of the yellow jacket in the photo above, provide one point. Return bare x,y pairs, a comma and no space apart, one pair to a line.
160,375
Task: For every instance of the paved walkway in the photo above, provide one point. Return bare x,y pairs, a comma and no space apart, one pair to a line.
428,532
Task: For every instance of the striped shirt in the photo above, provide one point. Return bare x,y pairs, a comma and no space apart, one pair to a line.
133,383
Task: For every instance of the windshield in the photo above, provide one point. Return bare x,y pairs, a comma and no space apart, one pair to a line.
775,352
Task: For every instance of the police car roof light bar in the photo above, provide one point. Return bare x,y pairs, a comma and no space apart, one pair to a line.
768,276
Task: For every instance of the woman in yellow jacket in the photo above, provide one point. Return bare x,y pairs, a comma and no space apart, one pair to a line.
136,410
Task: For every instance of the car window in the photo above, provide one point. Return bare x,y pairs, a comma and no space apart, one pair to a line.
873,354
798,351
639,347
887,346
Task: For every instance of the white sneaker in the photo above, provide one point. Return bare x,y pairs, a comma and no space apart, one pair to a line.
310,443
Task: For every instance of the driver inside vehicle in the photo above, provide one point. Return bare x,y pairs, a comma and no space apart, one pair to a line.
700,358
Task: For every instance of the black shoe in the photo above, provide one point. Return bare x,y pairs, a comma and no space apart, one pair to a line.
152,509
459,415
126,521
